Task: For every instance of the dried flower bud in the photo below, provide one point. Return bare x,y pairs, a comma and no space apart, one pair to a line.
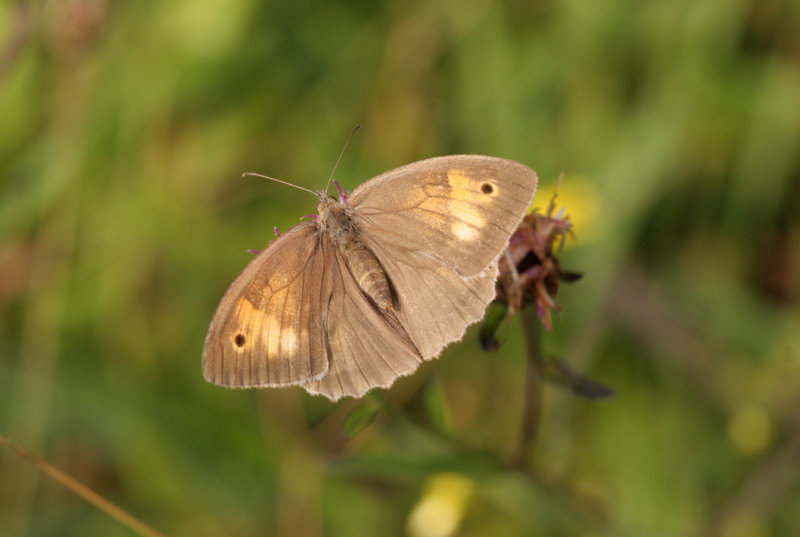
530,272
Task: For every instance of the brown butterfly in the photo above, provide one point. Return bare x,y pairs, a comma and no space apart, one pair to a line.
377,283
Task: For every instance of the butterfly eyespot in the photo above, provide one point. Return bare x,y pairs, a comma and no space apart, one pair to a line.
487,188
239,340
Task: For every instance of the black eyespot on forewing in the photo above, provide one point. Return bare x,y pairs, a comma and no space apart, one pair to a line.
239,340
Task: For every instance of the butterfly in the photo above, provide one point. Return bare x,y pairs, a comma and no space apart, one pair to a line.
375,284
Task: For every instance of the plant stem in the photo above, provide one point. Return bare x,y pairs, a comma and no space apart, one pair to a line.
532,409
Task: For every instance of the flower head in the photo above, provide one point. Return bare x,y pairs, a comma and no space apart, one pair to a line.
530,272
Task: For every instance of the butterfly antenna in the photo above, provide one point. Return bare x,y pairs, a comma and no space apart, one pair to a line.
245,174
341,154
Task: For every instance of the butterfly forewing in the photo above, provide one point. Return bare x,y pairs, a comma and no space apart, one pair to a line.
460,209
269,329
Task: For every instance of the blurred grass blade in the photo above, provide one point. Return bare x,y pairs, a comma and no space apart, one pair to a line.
358,419
436,407
559,373
84,492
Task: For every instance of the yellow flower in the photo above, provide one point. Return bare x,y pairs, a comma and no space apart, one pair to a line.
441,509
579,195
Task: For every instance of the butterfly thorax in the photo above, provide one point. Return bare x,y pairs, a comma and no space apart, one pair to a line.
335,221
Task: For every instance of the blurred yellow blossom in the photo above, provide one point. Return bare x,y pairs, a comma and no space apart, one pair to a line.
442,507
579,195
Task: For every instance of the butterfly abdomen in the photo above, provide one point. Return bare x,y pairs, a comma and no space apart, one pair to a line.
369,274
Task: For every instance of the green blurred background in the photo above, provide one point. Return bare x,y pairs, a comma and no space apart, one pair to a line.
124,130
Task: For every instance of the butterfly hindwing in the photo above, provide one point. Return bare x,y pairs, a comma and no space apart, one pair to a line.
369,348
435,304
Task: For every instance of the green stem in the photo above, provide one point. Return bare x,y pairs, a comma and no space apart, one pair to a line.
532,409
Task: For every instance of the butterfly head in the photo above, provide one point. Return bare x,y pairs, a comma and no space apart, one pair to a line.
326,200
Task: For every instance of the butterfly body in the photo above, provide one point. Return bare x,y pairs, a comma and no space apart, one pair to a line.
335,221
379,282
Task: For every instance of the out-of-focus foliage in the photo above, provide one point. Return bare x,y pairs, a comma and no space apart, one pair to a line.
124,130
